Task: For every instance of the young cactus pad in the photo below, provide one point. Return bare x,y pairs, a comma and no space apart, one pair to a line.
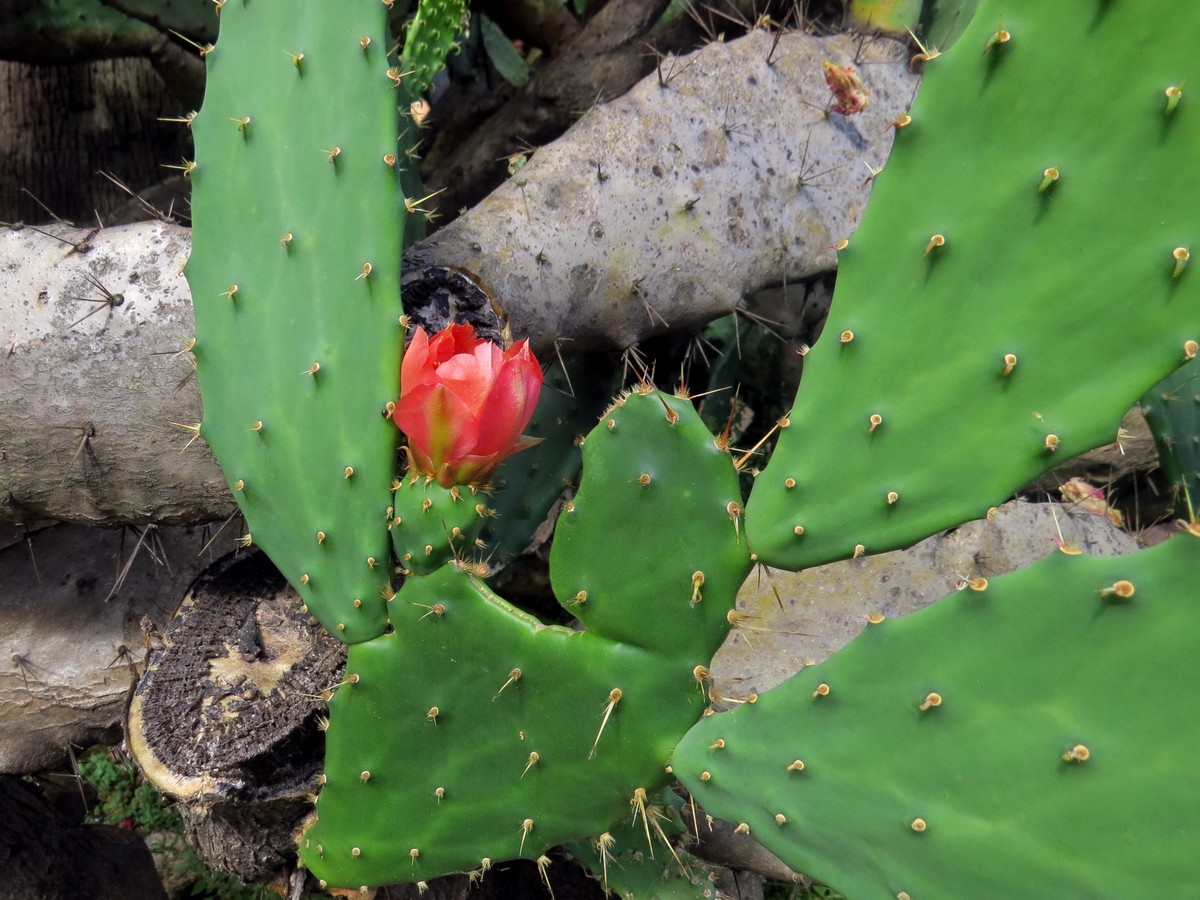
295,282
476,733
1028,737
430,38
1020,277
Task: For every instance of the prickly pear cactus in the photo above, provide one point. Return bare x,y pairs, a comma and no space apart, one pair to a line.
295,282
432,525
1020,277
475,733
1022,738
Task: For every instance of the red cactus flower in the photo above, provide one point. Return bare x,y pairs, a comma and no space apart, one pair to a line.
464,403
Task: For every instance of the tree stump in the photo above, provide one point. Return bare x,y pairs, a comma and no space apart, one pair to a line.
227,718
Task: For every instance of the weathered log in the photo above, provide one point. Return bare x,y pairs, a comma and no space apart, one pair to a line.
604,60
226,717
93,325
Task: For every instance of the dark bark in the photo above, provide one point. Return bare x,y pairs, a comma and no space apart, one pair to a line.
64,125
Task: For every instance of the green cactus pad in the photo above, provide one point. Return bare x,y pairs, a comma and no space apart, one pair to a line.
295,283
991,319
536,734
658,533
1030,739
431,524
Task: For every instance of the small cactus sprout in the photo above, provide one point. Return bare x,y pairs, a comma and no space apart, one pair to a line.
1049,177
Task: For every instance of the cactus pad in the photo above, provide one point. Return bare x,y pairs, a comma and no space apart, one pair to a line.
1029,737
1172,409
431,36
295,283
1020,277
